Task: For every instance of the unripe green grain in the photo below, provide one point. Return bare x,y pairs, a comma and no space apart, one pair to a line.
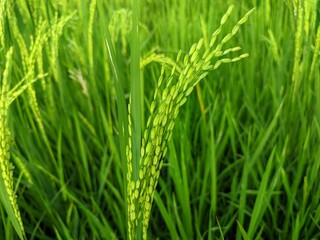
162,108
183,101
216,65
207,66
203,75
164,120
231,50
235,29
165,94
185,60
190,72
147,160
210,56
192,49
214,37
189,90
199,44
226,38
194,57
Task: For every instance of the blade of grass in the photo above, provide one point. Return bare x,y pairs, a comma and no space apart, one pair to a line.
135,89
261,200
166,215
7,205
243,232
121,105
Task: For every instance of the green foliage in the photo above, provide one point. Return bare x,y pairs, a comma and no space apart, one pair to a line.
241,161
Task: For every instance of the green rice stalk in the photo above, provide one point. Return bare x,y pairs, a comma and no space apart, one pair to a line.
40,40
6,168
2,20
310,12
304,33
170,94
56,27
307,15
90,36
33,55
39,63
7,96
315,54
297,54
296,4
313,13
54,46
33,6
120,26
23,169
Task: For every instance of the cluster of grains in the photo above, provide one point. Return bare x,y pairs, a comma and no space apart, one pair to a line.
169,96
55,31
153,56
90,35
23,168
306,33
6,167
32,56
120,26
7,96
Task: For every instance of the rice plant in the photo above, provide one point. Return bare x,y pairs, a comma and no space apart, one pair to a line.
7,96
147,119
171,93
